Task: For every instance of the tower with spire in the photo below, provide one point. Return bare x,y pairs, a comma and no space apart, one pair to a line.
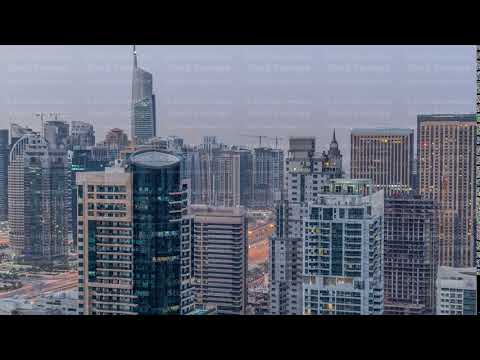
143,114
332,160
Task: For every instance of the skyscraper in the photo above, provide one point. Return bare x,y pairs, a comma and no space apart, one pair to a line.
342,250
82,135
39,191
446,173
4,151
219,259
267,176
56,132
224,178
16,132
304,176
410,251
478,159
81,161
133,234
143,122
385,156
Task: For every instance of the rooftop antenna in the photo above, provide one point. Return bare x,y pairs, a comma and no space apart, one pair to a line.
134,56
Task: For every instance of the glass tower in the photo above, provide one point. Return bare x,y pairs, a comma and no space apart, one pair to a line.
4,150
159,202
143,120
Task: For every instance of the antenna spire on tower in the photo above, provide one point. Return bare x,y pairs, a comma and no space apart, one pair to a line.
134,56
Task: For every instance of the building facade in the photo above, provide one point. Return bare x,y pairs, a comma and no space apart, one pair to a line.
446,173
56,133
117,138
343,251
456,291
385,156
410,254
133,238
267,172
143,121
219,258
16,133
304,177
82,135
39,191
4,152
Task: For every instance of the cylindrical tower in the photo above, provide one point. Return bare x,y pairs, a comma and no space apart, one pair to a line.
158,205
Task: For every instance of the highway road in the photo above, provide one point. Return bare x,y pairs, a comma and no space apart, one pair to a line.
43,284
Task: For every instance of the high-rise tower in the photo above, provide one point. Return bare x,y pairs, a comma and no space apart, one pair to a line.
38,201
446,174
385,156
219,258
343,251
4,150
143,122
133,240
305,174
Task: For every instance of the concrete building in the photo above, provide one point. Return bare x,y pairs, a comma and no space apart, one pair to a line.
456,291
385,156
343,250
143,121
446,174
81,160
173,144
224,178
4,151
304,176
56,133
478,159
133,242
411,255
82,135
16,133
267,175
219,258
116,138
39,190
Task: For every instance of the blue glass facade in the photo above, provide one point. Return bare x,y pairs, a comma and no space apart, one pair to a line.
158,204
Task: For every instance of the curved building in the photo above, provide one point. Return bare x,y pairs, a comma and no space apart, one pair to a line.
134,235
158,206
38,187
4,150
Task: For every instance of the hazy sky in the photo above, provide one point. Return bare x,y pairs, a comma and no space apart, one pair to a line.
233,90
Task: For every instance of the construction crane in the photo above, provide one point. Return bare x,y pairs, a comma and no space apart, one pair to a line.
256,136
276,138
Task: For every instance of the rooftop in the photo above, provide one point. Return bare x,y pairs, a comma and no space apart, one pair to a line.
382,131
153,159
446,117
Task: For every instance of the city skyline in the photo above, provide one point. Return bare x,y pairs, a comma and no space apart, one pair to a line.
220,90
273,180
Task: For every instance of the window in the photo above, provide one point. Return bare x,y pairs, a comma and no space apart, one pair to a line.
328,214
355,213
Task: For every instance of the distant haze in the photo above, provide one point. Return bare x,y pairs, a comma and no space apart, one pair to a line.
233,90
